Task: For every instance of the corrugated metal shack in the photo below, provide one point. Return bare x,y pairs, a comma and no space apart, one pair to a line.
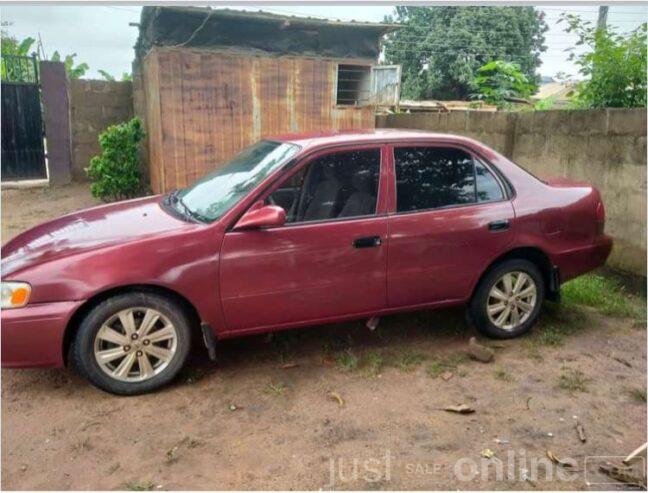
215,81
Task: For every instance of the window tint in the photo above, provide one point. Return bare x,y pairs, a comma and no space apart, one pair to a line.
431,177
342,184
488,189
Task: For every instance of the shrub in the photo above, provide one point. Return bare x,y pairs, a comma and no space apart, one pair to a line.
499,81
116,172
613,65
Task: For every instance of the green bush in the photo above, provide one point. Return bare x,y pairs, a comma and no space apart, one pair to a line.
115,174
499,81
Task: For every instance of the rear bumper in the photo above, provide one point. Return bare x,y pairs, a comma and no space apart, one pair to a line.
33,336
584,259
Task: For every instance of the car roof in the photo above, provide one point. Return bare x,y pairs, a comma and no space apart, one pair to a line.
337,137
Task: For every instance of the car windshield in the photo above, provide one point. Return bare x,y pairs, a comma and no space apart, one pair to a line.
214,194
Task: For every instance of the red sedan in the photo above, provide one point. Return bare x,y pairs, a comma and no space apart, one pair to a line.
295,231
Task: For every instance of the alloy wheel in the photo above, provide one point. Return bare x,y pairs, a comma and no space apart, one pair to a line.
135,344
511,300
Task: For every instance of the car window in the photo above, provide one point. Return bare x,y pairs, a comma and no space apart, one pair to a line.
213,195
337,185
488,189
432,177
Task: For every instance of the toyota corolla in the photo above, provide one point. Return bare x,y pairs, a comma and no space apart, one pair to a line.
295,231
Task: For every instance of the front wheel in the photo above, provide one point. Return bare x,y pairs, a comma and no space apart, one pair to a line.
132,343
508,299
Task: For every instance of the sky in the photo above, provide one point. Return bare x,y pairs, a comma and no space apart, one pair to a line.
101,35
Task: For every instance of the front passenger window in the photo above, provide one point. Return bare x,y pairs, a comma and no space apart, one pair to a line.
337,185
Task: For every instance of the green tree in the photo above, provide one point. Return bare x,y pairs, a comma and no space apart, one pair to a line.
106,75
499,82
441,48
125,76
115,174
11,46
614,65
73,72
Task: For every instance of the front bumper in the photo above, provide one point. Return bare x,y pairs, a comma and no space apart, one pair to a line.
33,335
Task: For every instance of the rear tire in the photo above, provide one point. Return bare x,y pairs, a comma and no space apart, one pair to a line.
508,299
132,343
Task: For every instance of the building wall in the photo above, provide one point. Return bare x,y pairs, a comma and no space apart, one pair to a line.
202,107
604,147
94,106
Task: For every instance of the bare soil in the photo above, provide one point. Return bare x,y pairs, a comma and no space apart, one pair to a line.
263,416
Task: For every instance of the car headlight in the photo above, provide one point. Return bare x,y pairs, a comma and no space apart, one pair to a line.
14,294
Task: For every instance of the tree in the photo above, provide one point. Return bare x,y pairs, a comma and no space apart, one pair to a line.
125,76
11,46
441,48
498,82
73,72
614,66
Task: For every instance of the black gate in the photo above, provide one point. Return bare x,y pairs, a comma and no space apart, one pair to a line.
23,154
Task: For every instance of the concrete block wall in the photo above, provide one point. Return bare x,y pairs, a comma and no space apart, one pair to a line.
94,106
604,147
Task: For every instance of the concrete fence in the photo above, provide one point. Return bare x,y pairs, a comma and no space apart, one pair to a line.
94,106
604,147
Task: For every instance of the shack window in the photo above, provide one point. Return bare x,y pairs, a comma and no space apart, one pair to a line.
353,84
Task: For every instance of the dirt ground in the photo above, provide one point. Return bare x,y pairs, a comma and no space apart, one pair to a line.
267,414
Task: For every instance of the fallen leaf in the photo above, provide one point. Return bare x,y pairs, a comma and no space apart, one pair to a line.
461,409
487,453
557,460
447,375
288,366
581,432
336,397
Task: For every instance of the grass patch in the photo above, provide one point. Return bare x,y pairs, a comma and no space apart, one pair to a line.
407,361
558,321
347,360
637,394
275,388
503,375
572,380
603,293
140,485
436,367
372,363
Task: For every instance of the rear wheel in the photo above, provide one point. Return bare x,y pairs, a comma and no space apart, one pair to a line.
132,343
508,299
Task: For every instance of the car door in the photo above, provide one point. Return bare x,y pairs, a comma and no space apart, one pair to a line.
330,258
451,218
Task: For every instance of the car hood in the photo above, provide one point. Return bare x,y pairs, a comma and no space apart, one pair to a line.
87,230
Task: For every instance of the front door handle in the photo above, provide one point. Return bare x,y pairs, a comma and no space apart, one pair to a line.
501,225
367,242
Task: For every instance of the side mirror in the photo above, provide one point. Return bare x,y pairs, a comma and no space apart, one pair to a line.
265,216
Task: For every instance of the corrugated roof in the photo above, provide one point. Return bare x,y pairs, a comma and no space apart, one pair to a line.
205,27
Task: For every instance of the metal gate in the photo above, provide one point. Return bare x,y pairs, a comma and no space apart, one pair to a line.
23,153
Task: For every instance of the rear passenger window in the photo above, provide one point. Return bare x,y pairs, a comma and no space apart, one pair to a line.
432,177
488,189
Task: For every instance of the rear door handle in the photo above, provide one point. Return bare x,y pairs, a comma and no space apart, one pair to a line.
500,225
367,242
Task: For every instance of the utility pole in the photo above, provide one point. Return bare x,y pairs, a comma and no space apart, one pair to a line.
602,18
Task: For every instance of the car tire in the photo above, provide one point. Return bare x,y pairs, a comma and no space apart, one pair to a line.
146,363
500,280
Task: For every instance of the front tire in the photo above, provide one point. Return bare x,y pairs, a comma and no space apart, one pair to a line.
508,299
132,343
